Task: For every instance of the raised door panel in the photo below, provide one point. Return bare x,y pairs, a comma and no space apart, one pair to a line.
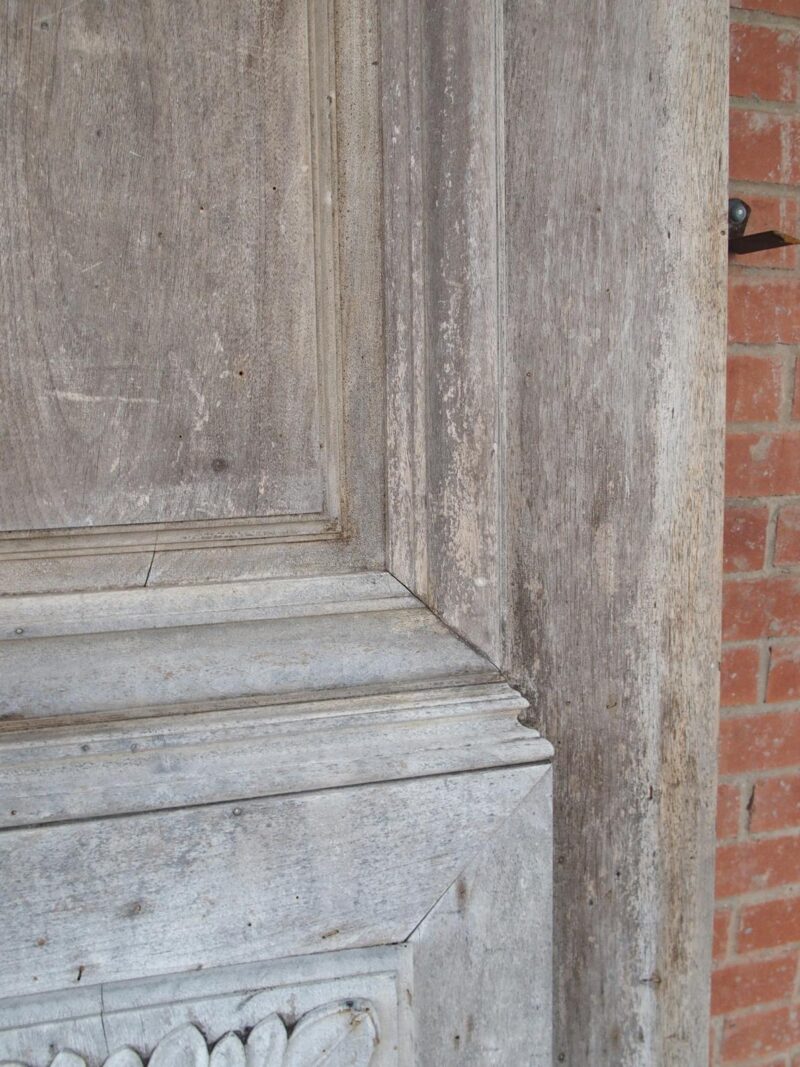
174,367
441,885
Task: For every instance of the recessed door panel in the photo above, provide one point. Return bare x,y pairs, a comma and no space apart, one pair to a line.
168,271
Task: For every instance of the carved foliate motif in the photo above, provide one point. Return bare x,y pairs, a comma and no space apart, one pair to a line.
335,1035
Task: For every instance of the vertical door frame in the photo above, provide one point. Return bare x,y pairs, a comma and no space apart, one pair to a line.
555,318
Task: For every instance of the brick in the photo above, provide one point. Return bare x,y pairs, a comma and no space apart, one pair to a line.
754,388
790,8
765,741
761,607
722,926
783,679
744,609
760,1034
796,396
743,985
769,925
764,147
729,807
762,464
749,866
764,62
787,540
776,803
739,676
763,310
745,537
770,213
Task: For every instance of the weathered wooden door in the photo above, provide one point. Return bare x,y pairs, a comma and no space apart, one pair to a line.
259,805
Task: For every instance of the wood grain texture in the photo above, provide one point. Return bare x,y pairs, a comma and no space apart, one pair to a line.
483,956
62,574
221,664
607,129
285,472
360,324
443,308
167,218
55,774
615,244
340,868
152,608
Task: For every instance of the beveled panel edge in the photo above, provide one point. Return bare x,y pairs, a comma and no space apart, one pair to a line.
58,614
395,849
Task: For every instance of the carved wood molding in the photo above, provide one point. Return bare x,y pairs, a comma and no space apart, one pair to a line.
341,1033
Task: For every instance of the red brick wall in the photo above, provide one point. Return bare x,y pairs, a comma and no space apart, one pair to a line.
756,988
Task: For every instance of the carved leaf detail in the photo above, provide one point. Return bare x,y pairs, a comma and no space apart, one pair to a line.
124,1057
68,1059
228,1052
334,1035
266,1045
185,1047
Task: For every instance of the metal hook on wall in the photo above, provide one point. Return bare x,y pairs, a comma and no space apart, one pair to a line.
740,244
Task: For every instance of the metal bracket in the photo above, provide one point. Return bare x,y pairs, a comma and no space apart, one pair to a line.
741,245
